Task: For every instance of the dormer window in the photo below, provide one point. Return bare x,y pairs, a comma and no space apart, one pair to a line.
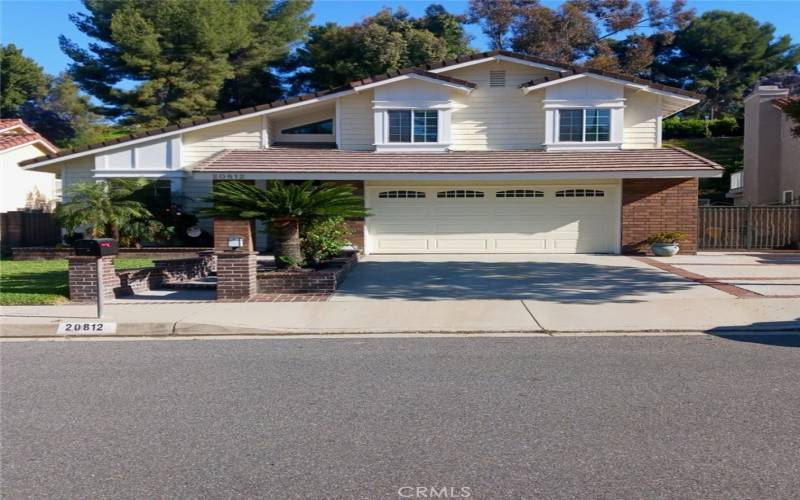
417,126
584,125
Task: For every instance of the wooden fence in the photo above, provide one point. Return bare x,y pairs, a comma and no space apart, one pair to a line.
745,228
28,229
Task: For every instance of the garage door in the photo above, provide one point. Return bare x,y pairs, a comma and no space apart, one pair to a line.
493,219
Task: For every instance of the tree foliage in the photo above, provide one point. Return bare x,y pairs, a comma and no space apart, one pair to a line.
284,206
390,40
586,31
105,208
722,53
792,110
22,81
180,59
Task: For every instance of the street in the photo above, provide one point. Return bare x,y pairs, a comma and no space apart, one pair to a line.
579,417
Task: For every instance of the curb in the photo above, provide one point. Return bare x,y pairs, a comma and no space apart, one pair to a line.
183,329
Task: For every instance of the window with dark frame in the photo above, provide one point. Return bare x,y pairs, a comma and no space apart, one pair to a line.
401,194
460,193
320,127
417,126
580,193
520,193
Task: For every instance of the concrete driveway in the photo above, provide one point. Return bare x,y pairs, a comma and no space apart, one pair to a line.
552,278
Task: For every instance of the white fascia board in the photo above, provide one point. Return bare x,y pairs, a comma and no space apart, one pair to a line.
199,126
37,142
355,176
414,76
22,125
496,58
691,101
150,174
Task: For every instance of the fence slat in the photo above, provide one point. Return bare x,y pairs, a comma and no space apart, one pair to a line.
740,228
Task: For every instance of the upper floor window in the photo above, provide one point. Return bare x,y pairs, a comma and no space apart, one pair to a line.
413,126
320,127
584,125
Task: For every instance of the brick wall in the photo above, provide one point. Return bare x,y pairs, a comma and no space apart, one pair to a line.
83,278
119,283
323,281
50,253
653,205
229,227
236,275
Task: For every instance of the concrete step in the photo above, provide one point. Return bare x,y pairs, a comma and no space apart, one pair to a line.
207,283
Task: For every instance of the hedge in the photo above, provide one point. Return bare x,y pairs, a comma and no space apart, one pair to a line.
677,128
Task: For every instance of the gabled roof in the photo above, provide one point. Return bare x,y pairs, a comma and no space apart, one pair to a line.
430,72
298,162
14,132
578,72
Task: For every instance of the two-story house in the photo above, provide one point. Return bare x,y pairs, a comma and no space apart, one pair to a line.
493,153
771,173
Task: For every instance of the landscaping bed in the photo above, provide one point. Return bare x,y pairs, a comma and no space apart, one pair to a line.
44,281
318,280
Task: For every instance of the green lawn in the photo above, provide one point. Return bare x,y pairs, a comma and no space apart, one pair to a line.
727,151
36,282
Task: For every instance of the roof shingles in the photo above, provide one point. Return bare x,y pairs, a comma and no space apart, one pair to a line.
297,160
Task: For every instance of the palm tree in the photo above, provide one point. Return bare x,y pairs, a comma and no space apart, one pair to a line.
284,207
103,206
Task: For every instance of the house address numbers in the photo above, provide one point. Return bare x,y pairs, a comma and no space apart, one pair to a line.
228,177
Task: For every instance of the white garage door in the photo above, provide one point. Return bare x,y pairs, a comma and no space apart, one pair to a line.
493,219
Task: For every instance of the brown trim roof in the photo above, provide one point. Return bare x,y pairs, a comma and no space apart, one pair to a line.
423,71
632,79
294,160
782,102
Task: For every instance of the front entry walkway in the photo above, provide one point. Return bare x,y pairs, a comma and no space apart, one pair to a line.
552,278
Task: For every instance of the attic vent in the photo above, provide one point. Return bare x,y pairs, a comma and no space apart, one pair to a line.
497,78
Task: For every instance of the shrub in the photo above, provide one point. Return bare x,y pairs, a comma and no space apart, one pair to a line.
666,237
688,128
726,126
324,238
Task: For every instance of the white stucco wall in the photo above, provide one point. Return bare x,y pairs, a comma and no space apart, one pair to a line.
23,188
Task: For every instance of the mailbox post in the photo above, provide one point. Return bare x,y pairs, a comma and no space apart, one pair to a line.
100,247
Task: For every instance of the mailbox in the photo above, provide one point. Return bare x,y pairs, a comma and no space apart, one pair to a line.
99,247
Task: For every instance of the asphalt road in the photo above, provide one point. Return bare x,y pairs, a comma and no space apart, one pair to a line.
667,417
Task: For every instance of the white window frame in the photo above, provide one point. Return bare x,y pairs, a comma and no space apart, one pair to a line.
790,192
412,112
552,107
583,126
381,111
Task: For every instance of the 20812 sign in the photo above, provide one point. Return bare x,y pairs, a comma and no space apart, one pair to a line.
86,328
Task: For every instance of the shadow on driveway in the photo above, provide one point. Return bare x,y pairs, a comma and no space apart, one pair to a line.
779,333
572,282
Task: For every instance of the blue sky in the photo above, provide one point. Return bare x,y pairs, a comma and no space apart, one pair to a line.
34,25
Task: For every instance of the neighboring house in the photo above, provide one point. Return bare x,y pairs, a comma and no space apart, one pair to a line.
24,189
493,153
771,172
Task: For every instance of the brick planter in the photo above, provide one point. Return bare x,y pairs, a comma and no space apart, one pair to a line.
307,281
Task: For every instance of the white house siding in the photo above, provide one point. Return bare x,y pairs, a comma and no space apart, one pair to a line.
77,170
24,188
240,134
357,122
497,117
641,120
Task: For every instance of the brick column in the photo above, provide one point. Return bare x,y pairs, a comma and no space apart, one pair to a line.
653,205
236,275
229,227
83,278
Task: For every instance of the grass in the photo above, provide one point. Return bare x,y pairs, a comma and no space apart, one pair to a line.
39,282
727,151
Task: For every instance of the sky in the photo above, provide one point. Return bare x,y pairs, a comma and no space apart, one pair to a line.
34,25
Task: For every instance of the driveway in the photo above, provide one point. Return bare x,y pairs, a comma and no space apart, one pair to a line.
552,278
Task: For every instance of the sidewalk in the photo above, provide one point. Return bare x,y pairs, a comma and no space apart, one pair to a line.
450,316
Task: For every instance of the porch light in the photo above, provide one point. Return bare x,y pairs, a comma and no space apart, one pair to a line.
235,242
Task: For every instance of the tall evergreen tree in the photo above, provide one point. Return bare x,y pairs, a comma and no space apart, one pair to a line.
387,41
722,53
156,62
22,81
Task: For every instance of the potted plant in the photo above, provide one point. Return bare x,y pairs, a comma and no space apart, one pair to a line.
665,243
